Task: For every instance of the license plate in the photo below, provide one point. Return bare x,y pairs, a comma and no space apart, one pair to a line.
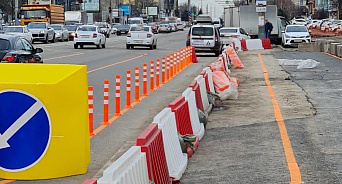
198,42
84,36
298,41
138,41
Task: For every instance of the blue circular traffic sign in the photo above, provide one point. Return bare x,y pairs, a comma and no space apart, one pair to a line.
25,130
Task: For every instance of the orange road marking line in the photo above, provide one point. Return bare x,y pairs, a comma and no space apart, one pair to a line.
76,54
124,61
6,181
292,165
333,56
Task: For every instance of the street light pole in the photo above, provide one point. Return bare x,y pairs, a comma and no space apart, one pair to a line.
16,12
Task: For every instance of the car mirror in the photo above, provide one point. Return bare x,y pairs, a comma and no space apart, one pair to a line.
39,50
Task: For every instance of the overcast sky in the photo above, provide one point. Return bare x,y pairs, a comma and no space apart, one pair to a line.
214,9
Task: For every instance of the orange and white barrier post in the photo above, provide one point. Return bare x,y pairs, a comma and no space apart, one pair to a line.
167,68
105,102
178,62
171,66
136,99
152,76
175,63
183,59
128,90
91,109
163,70
157,73
144,80
117,96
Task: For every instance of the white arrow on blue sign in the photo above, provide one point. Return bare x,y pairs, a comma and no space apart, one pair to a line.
25,130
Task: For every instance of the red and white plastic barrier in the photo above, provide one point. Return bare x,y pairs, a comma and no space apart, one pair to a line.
201,82
175,158
254,44
195,88
130,168
210,79
197,127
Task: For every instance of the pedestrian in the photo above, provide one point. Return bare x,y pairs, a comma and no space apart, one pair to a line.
268,28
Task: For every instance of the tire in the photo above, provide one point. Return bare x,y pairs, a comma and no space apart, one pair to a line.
75,46
32,41
53,39
118,34
46,41
107,35
217,53
128,46
98,46
104,45
132,47
155,46
151,47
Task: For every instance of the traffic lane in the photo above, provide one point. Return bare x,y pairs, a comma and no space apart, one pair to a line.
317,139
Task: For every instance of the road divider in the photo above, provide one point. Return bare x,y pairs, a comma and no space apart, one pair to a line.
152,88
105,102
117,96
91,109
128,90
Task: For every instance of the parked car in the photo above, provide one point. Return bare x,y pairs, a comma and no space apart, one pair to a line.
105,28
205,38
41,31
16,49
295,34
165,28
61,32
21,31
123,29
71,31
89,35
234,32
141,36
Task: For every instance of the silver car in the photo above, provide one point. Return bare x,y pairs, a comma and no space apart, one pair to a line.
62,34
41,31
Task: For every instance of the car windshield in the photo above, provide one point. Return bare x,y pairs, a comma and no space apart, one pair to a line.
124,26
33,14
4,44
202,31
71,28
135,21
36,26
86,28
102,26
296,29
228,30
14,29
164,25
146,29
57,27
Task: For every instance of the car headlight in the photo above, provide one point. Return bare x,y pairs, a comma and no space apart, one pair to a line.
58,34
42,32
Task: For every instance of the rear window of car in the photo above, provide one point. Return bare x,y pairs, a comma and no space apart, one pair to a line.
4,44
228,30
146,29
71,28
87,28
202,31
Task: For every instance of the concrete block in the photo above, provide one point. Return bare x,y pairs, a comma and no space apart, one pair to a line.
310,47
333,48
326,45
339,50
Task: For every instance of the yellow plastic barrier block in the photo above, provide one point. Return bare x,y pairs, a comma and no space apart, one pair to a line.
44,129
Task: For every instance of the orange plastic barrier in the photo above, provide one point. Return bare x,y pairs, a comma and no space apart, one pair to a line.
244,45
235,59
193,54
266,43
221,81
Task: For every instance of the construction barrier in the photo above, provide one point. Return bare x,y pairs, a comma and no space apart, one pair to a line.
195,87
210,79
235,59
181,109
105,102
254,44
193,54
197,127
201,82
130,168
175,158
151,143
266,43
91,109
243,45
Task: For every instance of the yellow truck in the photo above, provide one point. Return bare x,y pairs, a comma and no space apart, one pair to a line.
51,13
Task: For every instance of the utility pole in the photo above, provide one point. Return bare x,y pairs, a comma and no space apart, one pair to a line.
110,13
16,9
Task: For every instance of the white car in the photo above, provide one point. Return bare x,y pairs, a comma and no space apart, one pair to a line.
21,31
299,22
234,32
61,33
141,36
295,34
89,35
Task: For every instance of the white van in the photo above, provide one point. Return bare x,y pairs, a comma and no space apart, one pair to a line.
135,21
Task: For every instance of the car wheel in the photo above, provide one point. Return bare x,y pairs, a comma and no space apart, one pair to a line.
107,35
217,53
75,46
128,46
98,46
62,39
132,47
104,45
155,46
151,47
46,41
53,39
32,41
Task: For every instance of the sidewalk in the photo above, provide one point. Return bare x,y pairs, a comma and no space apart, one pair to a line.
242,142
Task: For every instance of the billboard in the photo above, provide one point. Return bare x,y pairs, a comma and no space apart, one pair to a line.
92,6
39,1
152,11
125,9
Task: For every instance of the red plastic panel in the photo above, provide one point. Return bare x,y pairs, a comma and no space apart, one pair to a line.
244,45
181,109
195,87
205,76
266,43
90,181
151,143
